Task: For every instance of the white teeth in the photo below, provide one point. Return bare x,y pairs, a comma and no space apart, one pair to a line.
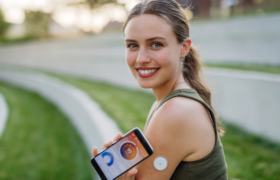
142,71
147,71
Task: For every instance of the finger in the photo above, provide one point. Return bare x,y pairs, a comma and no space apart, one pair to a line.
130,175
118,136
107,144
94,151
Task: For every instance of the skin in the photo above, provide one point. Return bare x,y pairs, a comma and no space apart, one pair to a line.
181,129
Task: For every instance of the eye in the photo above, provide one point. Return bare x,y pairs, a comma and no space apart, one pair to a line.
131,46
156,45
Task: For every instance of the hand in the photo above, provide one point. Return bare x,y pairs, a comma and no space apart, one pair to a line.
129,175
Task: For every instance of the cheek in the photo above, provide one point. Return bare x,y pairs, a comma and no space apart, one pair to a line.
130,58
165,58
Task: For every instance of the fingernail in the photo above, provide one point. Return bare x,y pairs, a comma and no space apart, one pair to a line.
135,171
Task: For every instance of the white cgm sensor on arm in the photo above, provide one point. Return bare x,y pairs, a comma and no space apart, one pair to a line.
160,163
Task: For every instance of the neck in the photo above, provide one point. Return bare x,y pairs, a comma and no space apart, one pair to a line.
173,84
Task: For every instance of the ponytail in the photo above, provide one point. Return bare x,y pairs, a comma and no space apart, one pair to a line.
192,72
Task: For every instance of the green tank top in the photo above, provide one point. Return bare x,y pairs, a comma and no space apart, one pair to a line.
211,167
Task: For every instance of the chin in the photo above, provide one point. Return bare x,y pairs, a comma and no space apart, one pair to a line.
145,85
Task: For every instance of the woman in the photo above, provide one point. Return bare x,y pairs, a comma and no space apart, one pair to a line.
181,125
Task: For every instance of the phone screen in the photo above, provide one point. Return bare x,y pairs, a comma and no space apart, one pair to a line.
121,156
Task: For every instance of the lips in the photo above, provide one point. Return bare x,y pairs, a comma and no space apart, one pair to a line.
146,72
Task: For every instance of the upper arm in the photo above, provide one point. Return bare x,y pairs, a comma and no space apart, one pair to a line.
172,132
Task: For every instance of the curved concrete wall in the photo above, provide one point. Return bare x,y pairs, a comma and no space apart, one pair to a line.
248,99
243,40
3,113
94,126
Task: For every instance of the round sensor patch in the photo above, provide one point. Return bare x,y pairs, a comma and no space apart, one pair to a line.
160,163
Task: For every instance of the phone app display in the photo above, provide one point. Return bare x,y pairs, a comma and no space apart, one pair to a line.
128,150
121,156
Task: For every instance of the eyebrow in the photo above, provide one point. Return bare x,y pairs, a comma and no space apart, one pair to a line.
150,39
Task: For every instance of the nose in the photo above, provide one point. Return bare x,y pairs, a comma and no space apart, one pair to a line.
143,56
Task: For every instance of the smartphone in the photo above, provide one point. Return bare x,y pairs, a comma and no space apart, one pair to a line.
124,154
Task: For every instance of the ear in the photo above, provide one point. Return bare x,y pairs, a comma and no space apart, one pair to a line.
186,46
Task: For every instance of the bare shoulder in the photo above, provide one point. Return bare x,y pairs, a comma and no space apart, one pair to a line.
184,111
188,121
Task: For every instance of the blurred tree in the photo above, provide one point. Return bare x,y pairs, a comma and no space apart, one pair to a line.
92,4
248,5
3,25
200,8
204,8
185,3
37,23
215,8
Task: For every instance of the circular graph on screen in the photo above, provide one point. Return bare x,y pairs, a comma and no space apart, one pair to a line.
128,150
108,158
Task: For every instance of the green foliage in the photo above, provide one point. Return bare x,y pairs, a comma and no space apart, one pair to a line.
248,156
92,4
39,142
248,67
37,23
3,25
96,3
18,39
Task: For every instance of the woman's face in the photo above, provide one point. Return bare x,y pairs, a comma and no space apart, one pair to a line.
152,51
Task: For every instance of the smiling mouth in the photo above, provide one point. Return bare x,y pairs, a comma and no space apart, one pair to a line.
147,73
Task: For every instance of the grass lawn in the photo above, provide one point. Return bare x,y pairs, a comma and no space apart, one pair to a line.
39,142
258,68
249,157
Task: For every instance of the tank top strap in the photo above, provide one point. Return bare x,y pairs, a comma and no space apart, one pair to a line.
189,93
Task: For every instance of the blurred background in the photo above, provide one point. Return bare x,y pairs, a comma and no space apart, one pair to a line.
60,18
80,43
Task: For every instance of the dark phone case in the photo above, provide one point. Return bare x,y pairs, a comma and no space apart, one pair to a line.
143,141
